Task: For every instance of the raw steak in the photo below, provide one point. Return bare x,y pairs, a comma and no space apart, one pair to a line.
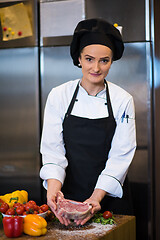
72,209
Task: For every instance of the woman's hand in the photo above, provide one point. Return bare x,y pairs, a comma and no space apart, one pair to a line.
94,200
53,187
95,208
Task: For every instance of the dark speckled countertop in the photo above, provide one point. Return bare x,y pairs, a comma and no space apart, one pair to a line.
125,229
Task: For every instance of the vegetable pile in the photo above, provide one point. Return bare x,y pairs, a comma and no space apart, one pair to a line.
16,203
19,209
23,215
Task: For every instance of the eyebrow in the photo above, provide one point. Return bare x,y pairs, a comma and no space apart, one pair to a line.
94,57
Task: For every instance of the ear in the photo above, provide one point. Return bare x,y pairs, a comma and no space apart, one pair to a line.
79,59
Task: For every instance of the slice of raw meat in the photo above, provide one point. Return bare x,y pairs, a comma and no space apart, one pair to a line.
71,209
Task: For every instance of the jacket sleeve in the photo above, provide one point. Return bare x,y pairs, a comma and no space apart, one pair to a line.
52,146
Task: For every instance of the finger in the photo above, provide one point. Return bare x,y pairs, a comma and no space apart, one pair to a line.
86,220
59,218
66,221
62,220
69,222
52,207
83,221
52,204
78,222
95,209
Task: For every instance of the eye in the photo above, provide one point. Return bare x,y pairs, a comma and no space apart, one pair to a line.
89,59
105,60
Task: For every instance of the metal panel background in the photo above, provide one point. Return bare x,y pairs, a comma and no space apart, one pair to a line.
56,68
129,14
19,121
155,31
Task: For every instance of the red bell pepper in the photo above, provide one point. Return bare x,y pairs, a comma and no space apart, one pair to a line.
13,226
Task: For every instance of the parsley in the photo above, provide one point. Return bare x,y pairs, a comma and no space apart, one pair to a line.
98,218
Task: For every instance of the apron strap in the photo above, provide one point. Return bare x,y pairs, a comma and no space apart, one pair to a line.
72,101
110,111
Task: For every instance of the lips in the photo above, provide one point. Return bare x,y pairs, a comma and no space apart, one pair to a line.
95,74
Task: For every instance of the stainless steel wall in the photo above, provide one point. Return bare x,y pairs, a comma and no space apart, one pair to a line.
56,68
129,14
155,36
19,121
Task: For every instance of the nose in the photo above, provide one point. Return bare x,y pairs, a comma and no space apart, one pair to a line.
96,67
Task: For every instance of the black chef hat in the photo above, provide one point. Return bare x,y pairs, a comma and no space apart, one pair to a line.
96,31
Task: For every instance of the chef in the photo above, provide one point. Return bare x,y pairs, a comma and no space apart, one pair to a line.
88,138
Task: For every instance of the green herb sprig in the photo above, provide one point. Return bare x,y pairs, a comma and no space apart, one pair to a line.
98,218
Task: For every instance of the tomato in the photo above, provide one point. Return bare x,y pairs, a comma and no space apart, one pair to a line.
32,202
20,210
25,213
36,207
4,207
35,212
44,207
15,205
10,211
29,207
40,211
107,214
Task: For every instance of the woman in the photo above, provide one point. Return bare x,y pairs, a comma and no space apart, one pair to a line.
88,138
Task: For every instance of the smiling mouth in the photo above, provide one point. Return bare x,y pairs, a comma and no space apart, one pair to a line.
95,74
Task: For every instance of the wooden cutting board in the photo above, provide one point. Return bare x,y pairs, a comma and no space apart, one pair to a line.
125,229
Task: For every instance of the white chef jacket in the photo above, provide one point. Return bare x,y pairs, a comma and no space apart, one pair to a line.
123,143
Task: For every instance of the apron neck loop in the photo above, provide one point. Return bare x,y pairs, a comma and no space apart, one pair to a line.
110,111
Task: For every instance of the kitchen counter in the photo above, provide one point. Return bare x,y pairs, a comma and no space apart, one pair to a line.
125,229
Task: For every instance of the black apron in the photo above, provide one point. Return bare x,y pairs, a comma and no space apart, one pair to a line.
87,143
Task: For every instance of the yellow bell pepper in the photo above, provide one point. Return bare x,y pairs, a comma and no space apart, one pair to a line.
25,195
34,225
16,196
6,198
